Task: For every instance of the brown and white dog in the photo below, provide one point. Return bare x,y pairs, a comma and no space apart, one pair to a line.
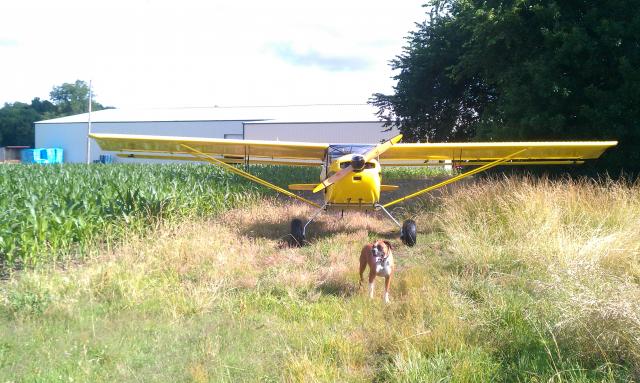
380,260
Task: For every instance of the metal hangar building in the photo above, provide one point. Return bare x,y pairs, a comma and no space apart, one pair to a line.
352,123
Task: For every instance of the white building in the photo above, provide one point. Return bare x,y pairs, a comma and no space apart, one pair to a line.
302,123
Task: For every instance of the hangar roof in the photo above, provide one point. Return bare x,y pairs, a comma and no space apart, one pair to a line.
280,114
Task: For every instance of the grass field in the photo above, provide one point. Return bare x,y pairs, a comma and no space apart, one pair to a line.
49,212
512,280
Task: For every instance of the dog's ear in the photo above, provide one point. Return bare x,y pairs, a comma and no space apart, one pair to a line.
388,244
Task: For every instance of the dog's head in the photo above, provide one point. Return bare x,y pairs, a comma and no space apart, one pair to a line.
381,249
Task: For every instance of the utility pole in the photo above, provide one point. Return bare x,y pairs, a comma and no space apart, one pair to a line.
89,127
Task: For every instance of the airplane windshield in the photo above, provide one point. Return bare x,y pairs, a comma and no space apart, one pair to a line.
337,151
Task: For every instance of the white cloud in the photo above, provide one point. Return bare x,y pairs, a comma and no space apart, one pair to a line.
198,52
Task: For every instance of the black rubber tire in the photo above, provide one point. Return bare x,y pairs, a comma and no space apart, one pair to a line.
297,234
409,234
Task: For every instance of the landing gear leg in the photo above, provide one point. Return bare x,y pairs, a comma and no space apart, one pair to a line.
298,230
407,230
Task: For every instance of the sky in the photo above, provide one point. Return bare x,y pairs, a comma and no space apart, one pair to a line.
189,53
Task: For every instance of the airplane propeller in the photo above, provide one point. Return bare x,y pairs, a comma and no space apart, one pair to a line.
358,162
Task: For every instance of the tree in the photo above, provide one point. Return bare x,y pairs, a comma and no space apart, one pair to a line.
16,124
45,108
519,70
432,101
72,99
17,119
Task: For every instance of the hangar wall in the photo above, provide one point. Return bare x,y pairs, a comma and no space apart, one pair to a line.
325,132
338,123
72,137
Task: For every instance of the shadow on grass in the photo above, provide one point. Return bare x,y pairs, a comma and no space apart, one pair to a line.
276,224
317,230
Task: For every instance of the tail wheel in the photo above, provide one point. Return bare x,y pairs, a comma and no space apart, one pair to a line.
409,233
297,232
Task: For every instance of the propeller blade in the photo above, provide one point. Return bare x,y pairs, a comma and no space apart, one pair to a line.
381,148
334,178
368,156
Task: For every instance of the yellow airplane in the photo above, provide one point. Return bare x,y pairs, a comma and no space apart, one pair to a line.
350,173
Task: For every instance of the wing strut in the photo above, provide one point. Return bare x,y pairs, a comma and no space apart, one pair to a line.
454,179
205,157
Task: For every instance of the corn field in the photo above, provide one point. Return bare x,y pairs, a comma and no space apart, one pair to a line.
50,211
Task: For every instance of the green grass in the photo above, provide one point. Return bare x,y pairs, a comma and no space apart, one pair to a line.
512,280
413,172
49,211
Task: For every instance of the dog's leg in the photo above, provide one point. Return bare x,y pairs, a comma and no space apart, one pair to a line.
363,265
372,278
387,283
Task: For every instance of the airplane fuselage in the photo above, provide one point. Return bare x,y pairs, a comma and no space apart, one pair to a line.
360,189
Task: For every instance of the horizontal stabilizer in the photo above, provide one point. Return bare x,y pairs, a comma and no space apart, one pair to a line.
311,186
385,188
302,186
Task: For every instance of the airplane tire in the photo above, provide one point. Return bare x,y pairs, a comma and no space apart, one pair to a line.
297,232
409,233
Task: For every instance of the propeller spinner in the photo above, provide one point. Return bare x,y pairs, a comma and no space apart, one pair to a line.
358,162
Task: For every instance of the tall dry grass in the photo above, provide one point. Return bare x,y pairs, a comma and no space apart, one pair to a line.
571,251
514,279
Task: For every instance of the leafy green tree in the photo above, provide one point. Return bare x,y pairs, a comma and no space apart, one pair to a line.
16,124
45,108
432,102
72,99
520,70
17,119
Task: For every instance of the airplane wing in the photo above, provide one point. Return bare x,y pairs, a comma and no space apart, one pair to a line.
482,152
174,148
488,155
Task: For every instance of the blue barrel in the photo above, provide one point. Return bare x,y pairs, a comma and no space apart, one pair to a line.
42,156
106,159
